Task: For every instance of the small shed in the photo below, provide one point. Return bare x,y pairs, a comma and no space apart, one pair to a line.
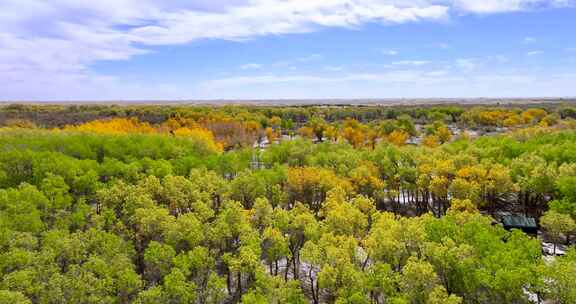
526,224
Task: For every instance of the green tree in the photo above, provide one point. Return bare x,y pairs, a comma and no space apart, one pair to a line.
158,260
440,296
10,297
418,280
557,225
559,278
177,289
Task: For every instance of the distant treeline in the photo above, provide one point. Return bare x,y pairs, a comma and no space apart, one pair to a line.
51,116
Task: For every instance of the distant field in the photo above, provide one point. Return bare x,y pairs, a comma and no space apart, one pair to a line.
311,102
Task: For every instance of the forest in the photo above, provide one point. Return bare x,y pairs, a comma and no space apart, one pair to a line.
261,204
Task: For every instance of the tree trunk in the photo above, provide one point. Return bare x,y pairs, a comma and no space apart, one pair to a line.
365,263
295,261
228,282
276,267
239,291
288,262
312,289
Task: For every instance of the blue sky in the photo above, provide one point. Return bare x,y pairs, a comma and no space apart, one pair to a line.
264,49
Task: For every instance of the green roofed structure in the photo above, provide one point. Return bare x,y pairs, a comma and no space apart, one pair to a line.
526,224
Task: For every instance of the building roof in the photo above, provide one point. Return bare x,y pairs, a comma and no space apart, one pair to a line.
519,221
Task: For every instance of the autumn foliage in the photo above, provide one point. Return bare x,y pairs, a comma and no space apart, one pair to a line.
114,126
133,126
192,205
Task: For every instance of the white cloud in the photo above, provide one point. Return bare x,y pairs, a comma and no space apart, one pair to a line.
296,61
477,63
534,53
59,40
309,58
251,66
388,52
65,37
439,45
468,64
404,76
499,6
529,40
411,62
443,45
498,59
84,86
332,68
438,73
268,17
490,6
392,84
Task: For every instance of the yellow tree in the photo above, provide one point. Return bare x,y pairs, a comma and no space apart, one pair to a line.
275,122
533,115
331,133
431,141
398,137
372,137
444,134
204,135
114,126
306,132
355,136
271,135
512,120
365,180
310,185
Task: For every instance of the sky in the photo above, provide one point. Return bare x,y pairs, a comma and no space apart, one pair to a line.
286,49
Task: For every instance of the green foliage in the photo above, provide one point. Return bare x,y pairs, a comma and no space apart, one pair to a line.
158,260
561,286
11,297
156,218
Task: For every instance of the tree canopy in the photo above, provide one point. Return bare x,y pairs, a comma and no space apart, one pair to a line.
341,205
